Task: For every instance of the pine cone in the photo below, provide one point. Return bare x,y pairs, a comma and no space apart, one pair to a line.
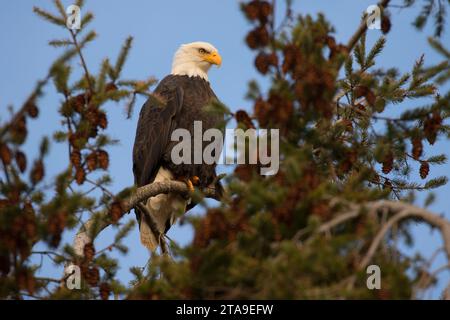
331,42
258,10
388,163
80,175
89,251
261,111
261,63
257,38
32,109
5,154
370,97
242,117
21,161
91,161
37,173
251,10
19,130
265,10
104,289
360,91
116,211
102,120
103,159
78,102
289,62
92,276
25,280
55,226
431,127
91,115
417,148
110,87
75,158
385,24
424,169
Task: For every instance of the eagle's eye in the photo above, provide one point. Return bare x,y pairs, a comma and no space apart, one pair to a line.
202,51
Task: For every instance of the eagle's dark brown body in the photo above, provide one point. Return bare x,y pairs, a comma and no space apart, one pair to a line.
185,100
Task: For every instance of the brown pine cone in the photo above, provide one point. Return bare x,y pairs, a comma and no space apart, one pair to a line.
424,169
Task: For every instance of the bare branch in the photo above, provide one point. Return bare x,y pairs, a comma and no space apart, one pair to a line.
102,220
400,211
406,210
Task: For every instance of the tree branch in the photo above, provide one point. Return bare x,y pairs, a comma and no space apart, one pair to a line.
363,27
406,210
23,109
83,62
352,42
100,221
401,211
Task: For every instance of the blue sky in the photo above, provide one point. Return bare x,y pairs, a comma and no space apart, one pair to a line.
158,28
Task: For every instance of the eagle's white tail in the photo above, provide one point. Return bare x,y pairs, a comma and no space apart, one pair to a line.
164,210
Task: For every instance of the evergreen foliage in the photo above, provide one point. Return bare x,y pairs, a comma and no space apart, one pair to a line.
270,237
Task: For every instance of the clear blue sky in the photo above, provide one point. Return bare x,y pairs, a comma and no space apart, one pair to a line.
158,28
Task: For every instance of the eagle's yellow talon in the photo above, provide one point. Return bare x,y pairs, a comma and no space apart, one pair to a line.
195,180
189,185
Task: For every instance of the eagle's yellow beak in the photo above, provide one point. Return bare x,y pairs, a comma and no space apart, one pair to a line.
213,57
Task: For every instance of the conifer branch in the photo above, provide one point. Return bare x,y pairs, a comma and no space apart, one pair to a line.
83,62
363,28
23,110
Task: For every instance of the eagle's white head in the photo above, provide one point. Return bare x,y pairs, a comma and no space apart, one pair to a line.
195,59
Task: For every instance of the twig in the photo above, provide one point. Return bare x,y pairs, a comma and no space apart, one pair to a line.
83,62
49,280
21,112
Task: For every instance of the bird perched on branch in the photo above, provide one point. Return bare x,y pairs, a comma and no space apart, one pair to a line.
179,100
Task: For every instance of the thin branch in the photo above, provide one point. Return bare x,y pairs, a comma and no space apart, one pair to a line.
22,111
83,62
49,279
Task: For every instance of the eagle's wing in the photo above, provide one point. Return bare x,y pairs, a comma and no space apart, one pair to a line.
154,128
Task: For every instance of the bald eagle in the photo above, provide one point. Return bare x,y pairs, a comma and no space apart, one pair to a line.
184,93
